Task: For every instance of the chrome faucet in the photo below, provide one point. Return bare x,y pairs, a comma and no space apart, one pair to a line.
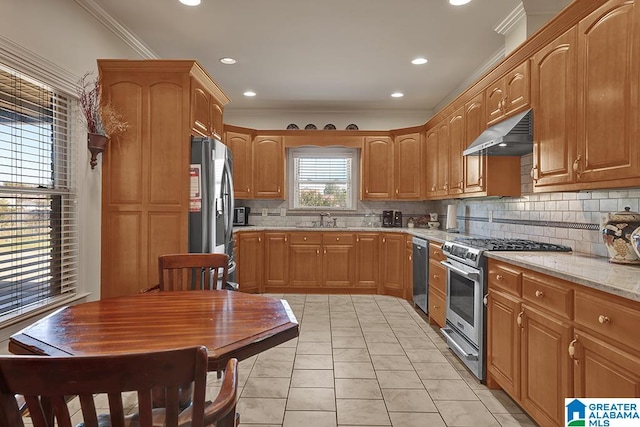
322,215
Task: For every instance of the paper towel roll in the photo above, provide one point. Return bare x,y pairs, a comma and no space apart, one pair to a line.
452,218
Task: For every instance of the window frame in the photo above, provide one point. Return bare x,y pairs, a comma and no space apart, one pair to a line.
62,193
330,151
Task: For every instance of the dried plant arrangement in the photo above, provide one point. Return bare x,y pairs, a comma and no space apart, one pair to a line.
101,119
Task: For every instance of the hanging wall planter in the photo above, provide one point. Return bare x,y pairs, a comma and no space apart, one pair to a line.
96,144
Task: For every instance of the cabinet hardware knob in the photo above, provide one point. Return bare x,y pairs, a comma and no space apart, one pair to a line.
337,239
259,239
366,190
247,189
325,251
317,251
539,294
396,191
603,319
433,188
435,276
384,240
436,307
285,240
519,319
572,350
410,258
357,240
534,173
481,182
499,277
304,238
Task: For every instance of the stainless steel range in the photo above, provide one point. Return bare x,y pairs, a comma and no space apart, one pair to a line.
466,291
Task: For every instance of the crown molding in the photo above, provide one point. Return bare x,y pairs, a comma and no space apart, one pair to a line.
117,28
511,20
34,65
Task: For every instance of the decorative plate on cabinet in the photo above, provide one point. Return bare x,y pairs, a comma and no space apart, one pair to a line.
329,127
293,126
352,127
310,126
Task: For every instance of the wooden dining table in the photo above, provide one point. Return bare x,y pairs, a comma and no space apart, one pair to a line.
229,324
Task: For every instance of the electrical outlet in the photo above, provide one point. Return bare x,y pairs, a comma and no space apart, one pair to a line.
265,211
490,216
283,211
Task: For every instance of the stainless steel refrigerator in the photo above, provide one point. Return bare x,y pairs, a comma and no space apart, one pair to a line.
211,203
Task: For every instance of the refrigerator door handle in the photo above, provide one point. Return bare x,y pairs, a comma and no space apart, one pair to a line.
227,190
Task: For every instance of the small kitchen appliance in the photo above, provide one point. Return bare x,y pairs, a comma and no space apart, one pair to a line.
241,216
387,218
397,219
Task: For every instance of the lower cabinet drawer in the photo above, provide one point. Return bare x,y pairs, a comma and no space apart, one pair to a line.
437,276
606,315
437,307
548,293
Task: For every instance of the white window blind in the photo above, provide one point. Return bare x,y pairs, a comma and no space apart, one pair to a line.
38,220
323,178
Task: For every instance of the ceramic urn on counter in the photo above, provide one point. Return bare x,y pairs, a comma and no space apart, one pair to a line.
617,235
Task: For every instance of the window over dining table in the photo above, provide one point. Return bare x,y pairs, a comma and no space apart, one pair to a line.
38,214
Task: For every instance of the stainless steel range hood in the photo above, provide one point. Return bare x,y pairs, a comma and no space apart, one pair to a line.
511,137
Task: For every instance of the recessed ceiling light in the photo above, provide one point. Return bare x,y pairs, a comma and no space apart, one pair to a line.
458,2
249,93
419,61
228,61
190,2
397,94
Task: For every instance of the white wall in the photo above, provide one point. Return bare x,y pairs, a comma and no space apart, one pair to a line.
63,33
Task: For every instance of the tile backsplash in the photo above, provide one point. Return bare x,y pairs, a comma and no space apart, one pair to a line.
570,218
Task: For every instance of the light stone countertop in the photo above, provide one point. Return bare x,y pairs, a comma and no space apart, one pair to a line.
593,272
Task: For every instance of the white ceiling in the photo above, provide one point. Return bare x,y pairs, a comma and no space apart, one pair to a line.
329,55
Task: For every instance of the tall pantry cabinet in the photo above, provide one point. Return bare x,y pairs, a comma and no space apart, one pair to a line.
145,171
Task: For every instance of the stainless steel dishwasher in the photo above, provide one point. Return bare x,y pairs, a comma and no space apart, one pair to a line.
420,273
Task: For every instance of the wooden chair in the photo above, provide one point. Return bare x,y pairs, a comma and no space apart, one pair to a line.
45,382
182,272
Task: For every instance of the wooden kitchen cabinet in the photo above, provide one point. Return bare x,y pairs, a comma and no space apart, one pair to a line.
367,260
338,260
442,177
145,175
249,262
508,95
407,155
240,141
377,168
268,167
609,92
392,264
431,163
554,98
206,110
276,261
474,166
550,339
437,285
457,143
305,259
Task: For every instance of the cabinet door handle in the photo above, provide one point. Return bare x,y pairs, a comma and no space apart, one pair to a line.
519,319
247,189
410,258
603,319
481,182
572,350
499,277
576,164
539,294
366,190
317,251
304,238
357,240
534,173
397,191
384,240
433,188
436,277
446,186
285,240
325,251
259,239
278,189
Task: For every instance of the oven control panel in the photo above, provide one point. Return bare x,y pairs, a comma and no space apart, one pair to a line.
463,253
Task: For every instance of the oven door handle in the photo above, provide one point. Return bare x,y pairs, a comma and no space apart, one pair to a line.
465,274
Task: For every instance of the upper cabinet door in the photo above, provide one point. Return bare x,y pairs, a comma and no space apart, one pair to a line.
608,82
442,182
200,109
377,168
474,166
268,167
508,95
240,145
456,146
554,99
408,167
431,166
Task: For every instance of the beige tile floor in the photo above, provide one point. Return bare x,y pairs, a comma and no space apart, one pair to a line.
363,360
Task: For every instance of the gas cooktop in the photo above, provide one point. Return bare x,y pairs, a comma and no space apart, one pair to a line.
468,250
489,244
